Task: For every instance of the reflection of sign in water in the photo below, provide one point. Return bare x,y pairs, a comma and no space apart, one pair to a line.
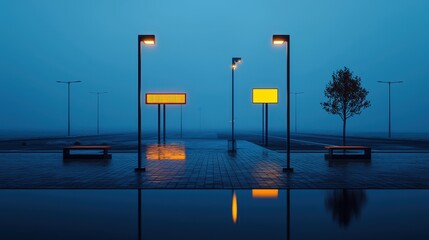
265,95
265,193
165,152
165,98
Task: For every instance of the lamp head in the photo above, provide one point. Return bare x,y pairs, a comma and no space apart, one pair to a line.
148,40
236,60
279,40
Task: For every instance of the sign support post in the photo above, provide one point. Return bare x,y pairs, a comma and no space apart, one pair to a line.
265,96
164,99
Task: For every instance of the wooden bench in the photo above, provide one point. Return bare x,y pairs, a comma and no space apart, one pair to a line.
343,155
104,155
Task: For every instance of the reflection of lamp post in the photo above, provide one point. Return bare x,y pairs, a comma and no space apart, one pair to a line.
296,109
139,214
68,91
148,40
288,214
234,207
390,83
235,61
98,109
279,40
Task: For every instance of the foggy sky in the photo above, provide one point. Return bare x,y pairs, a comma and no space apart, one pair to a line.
45,41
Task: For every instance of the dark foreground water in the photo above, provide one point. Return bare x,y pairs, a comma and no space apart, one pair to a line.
214,214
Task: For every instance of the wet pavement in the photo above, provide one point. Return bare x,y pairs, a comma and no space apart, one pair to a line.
205,164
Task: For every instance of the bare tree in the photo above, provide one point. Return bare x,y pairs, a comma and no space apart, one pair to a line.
345,96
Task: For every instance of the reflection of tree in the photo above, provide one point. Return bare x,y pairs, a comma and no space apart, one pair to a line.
345,205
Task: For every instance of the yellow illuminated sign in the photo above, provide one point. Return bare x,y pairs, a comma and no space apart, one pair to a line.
165,98
265,95
265,193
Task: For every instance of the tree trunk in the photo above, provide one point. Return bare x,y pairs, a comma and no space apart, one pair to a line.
344,132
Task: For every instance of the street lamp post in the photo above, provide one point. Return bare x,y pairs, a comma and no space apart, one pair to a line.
279,40
98,109
148,40
296,109
235,61
390,83
68,111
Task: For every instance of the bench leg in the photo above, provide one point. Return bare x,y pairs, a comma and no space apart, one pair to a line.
66,153
368,153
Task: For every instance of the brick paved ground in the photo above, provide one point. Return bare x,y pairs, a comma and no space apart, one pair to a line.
208,165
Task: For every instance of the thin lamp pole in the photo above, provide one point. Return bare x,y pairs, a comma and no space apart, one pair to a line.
139,89
148,40
389,84
235,60
232,108
98,109
296,109
279,40
181,120
68,104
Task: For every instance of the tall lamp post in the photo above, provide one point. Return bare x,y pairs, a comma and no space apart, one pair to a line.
233,147
68,111
390,83
98,109
296,109
148,40
279,40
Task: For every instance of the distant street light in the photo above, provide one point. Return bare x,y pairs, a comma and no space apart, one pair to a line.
148,40
296,109
390,83
233,147
68,91
98,109
279,40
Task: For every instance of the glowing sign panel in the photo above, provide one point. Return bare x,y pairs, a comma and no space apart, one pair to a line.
265,95
165,98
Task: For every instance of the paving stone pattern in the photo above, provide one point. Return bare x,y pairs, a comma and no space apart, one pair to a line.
209,166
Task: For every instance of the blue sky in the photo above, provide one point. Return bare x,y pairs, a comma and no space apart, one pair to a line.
96,42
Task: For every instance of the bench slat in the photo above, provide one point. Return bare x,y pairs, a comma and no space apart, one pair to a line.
346,147
87,147
104,155
332,156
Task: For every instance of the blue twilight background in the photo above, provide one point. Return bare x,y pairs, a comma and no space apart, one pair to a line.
96,42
